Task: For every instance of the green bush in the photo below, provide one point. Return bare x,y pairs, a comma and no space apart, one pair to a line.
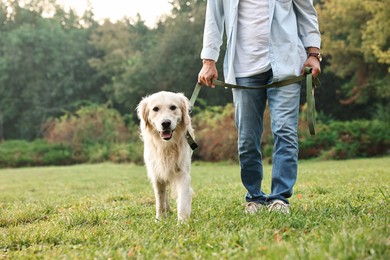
99,135
344,140
116,153
126,152
361,139
89,125
311,146
96,133
93,134
216,135
20,153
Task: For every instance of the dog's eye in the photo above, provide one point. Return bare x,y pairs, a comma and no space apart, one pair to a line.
156,109
173,107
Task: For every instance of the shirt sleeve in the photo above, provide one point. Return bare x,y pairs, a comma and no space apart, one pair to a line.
213,30
307,21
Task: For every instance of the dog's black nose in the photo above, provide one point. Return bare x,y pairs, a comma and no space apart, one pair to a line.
166,124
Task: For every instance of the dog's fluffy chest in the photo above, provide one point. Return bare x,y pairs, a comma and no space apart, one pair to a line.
163,161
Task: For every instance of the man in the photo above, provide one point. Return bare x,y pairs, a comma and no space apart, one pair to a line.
267,41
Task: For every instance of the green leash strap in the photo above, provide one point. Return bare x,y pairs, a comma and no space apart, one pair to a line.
194,96
310,86
311,106
277,84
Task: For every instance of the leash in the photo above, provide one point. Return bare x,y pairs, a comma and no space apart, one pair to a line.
310,87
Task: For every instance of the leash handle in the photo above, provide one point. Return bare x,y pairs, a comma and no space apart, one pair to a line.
311,108
308,70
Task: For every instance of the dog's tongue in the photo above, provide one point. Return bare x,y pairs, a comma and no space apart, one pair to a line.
166,135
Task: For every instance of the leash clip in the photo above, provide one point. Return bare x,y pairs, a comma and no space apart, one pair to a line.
191,141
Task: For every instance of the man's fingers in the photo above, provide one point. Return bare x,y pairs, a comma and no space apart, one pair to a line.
315,69
210,82
207,81
316,72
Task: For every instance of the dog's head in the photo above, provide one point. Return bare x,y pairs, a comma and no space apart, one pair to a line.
164,112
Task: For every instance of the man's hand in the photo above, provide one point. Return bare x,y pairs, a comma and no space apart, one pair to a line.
208,73
313,63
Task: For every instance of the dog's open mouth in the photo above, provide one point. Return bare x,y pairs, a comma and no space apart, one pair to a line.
166,134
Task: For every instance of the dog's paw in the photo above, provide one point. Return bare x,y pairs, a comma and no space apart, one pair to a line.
182,219
183,222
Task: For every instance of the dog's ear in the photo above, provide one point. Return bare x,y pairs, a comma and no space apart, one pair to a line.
185,107
143,113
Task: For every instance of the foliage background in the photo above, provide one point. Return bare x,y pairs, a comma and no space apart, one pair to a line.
54,63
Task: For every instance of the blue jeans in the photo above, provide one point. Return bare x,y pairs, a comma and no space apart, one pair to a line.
283,104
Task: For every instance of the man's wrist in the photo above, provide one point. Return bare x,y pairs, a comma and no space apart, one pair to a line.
312,49
314,52
208,61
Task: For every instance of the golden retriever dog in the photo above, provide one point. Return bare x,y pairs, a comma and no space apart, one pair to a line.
164,122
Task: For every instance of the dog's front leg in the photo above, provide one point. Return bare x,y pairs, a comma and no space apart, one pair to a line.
184,198
162,205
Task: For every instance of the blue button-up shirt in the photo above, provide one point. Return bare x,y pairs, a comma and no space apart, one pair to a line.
293,27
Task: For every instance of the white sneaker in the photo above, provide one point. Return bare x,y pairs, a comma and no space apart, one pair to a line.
279,206
252,207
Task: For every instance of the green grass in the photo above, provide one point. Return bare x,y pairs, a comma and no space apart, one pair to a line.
106,211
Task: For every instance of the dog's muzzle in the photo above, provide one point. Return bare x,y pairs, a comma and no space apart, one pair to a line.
166,133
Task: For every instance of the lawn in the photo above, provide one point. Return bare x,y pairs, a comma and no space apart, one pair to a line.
106,211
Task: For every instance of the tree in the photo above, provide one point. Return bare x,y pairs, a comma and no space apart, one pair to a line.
356,40
138,60
122,60
43,68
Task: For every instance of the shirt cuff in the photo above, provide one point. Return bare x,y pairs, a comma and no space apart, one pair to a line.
312,41
210,54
